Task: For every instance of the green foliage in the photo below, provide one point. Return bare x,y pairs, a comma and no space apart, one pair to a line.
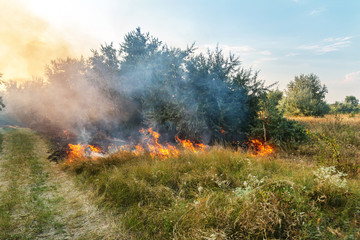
272,126
203,97
305,97
350,106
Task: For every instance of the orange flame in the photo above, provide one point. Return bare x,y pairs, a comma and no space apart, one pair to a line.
154,147
150,143
66,134
193,147
260,149
222,131
79,151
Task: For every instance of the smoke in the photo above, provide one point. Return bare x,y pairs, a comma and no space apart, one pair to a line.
27,42
65,100
145,83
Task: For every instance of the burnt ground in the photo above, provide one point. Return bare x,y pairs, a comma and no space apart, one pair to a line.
59,147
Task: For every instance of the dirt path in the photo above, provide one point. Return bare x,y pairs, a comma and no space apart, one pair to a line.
40,201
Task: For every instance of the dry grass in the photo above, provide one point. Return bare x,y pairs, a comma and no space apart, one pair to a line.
344,118
333,141
220,194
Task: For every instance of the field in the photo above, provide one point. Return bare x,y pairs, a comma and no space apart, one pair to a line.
308,192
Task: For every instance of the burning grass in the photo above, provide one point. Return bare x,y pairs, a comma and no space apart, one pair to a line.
149,144
218,193
221,194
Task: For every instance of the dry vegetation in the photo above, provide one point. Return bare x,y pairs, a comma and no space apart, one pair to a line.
311,193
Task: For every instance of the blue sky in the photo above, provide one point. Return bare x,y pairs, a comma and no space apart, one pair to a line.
281,38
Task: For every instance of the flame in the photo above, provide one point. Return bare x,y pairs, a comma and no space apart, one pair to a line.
150,143
193,147
260,149
79,151
66,133
222,131
155,149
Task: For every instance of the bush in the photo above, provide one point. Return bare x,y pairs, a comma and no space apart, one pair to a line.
272,126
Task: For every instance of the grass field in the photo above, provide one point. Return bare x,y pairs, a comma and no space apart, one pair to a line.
312,192
308,192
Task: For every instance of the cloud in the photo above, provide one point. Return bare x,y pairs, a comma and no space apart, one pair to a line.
237,50
266,52
352,78
292,54
241,51
250,56
328,45
317,11
265,59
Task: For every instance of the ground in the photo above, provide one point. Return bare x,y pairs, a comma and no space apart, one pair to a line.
311,192
39,200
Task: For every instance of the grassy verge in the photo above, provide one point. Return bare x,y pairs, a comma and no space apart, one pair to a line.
25,211
222,194
334,141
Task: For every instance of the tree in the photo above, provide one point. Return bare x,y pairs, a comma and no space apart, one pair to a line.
351,100
305,97
350,105
271,124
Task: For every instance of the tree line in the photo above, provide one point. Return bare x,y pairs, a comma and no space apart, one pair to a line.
203,97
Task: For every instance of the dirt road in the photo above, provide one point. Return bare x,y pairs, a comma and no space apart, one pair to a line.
39,200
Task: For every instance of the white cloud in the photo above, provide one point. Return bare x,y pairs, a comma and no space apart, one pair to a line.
328,45
352,78
261,60
244,50
237,50
249,56
317,11
266,52
292,54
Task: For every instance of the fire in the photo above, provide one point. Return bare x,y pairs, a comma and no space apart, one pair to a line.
222,131
150,144
82,150
260,149
155,149
66,133
193,147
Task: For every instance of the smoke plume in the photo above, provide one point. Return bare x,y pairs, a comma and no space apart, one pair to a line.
27,42
144,83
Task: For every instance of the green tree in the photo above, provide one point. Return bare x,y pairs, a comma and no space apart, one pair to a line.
352,100
271,124
350,105
305,97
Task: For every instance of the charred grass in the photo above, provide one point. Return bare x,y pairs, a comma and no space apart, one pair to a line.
222,194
